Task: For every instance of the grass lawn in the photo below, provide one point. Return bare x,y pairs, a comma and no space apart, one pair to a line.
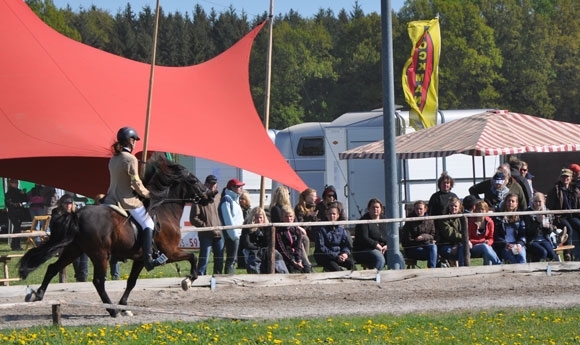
499,327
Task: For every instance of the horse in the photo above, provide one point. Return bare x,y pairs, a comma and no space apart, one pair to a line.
102,232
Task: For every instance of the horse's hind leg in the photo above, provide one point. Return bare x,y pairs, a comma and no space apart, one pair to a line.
66,258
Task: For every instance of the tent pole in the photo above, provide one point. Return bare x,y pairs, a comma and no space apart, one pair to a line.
150,95
267,93
394,257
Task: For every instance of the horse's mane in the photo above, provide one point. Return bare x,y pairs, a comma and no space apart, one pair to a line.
161,174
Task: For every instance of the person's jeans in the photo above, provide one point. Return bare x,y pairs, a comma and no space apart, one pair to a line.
573,225
231,249
114,268
542,250
331,264
486,252
207,244
371,258
508,255
81,267
426,252
447,251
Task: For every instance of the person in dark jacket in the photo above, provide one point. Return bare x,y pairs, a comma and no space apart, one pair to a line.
202,216
332,248
66,205
418,237
509,240
16,200
329,197
440,199
370,239
254,244
289,244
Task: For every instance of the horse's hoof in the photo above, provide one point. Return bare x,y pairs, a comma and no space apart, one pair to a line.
28,297
126,313
113,312
186,284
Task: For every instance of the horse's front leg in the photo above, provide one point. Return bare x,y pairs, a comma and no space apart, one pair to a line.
99,277
189,256
136,269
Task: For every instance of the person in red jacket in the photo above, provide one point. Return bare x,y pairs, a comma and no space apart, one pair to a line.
480,231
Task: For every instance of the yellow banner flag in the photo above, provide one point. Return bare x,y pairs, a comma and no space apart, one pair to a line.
421,73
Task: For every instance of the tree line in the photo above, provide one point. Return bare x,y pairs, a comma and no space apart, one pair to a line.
519,55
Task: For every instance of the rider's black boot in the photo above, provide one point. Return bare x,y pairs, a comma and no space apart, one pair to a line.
147,251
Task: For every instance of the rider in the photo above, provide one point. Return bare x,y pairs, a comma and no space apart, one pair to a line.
124,186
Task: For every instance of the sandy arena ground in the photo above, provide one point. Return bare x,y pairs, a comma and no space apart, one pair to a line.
305,296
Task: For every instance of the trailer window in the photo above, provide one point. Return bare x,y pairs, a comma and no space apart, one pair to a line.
313,146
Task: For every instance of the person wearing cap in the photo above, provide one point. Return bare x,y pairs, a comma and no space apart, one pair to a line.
231,213
125,187
203,216
515,186
576,173
329,197
15,202
565,196
495,190
64,205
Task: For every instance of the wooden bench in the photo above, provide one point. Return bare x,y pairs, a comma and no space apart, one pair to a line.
5,259
560,250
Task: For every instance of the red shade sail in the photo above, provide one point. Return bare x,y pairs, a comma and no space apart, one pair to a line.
487,134
62,102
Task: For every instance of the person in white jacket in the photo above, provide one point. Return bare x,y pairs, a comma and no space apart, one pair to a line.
231,213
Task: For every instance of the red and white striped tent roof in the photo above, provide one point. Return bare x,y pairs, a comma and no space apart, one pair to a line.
486,134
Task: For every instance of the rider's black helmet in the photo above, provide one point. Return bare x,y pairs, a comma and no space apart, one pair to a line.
126,133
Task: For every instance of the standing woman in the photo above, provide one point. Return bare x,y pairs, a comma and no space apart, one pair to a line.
510,233
66,205
440,200
231,213
124,186
280,199
370,239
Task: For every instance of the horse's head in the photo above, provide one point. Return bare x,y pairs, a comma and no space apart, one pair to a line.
168,180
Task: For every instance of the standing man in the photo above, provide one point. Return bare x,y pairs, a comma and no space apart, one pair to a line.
231,213
15,202
202,216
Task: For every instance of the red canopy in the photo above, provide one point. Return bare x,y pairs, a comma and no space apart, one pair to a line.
62,102
487,134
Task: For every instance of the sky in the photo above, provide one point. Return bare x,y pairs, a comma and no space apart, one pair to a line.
306,8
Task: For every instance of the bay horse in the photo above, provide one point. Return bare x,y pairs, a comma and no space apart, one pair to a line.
102,232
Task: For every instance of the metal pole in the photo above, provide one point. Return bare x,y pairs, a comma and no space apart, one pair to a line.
394,258
150,96
267,93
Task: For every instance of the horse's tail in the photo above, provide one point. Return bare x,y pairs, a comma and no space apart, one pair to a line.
63,229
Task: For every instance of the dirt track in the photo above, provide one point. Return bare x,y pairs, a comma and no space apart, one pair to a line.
409,291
